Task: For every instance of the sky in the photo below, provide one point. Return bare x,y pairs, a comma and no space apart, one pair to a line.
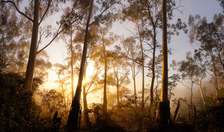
207,8
180,44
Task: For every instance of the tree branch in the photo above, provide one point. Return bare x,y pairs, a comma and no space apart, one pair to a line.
9,1
94,90
123,79
48,6
97,18
136,61
93,80
58,32
149,13
130,31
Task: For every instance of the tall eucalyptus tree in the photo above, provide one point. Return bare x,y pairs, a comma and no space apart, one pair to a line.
210,35
48,7
75,107
194,70
130,50
147,16
164,107
72,122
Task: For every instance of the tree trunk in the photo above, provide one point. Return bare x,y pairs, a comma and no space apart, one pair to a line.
156,92
191,105
176,111
164,93
202,95
105,81
154,51
164,108
215,75
33,49
143,74
153,66
118,89
164,115
56,123
72,72
75,107
195,119
86,116
134,80
143,88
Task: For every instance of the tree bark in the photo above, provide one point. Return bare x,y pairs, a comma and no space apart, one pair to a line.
105,81
202,95
72,72
134,80
86,116
156,92
164,108
195,119
153,66
164,115
143,74
164,94
33,49
215,75
191,105
143,83
154,52
176,111
118,89
73,117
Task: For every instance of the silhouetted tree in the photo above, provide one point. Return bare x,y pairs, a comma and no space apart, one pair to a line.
210,35
164,106
130,51
193,69
75,107
172,83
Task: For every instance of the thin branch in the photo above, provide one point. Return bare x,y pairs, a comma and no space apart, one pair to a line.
177,8
9,1
148,56
123,79
149,13
220,58
136,61
148,44
93,80
97,18
38,43
94,90
48,6
58,32
130,31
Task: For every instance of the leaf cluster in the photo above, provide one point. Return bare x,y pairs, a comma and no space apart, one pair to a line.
18,111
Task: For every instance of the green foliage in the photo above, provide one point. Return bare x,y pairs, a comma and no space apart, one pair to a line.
18,111
191,67
13,40
172,83
53,101
222,4
103,122
212,119
210,36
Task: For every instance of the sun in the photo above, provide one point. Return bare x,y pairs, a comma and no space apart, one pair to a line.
89,71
